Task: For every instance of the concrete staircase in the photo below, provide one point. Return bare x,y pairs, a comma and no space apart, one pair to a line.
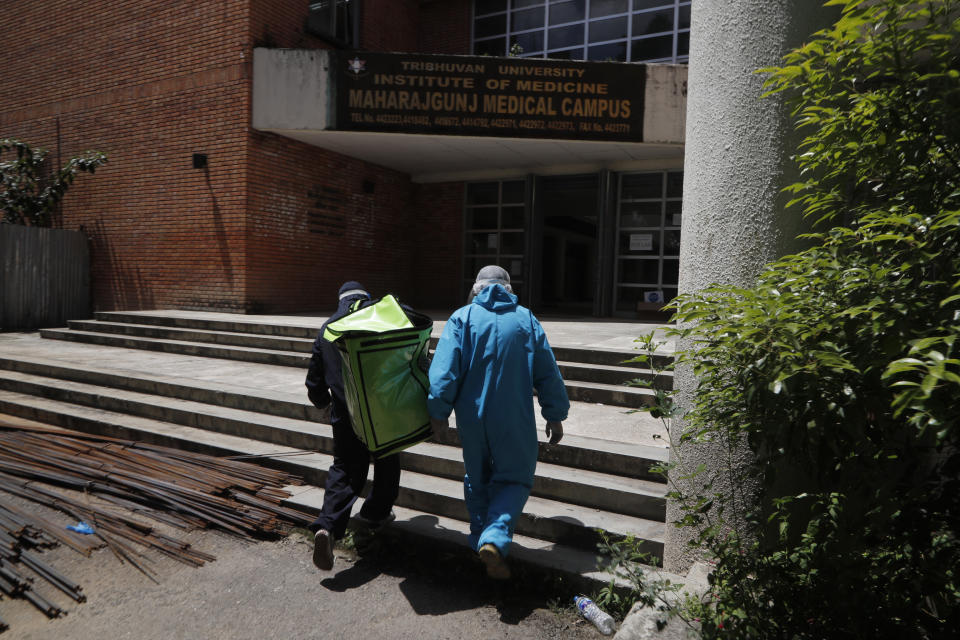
251,402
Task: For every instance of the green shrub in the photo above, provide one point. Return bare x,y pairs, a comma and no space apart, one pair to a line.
29,192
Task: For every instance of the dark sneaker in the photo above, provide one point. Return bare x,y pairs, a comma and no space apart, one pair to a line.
374,525
323,550
496,564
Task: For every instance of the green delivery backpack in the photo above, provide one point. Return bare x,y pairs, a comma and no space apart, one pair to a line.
381,347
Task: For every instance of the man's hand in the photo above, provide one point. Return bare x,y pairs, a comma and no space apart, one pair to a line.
439,426
554,431
325,413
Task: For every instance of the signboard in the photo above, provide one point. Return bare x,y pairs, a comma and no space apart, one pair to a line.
483,96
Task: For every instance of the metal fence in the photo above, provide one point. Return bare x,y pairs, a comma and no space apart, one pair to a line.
44,277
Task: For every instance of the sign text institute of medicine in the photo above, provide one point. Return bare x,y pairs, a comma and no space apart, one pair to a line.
481,96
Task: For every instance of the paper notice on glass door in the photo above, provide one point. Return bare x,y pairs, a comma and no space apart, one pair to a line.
641,242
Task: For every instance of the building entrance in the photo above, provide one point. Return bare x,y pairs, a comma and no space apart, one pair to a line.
567,217
596,244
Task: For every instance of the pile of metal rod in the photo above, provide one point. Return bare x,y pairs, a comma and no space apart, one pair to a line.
179,488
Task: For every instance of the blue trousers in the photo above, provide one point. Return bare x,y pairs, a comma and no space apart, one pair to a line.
500,461
346,479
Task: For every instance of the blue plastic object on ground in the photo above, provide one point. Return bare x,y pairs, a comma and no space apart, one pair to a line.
81,527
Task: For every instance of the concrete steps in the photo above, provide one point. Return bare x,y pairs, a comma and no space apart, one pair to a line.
592,375
234,386
630,496
582,452
567,530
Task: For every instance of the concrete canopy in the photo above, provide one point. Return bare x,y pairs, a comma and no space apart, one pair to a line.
294,97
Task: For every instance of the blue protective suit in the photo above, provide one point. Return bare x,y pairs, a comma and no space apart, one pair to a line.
493,353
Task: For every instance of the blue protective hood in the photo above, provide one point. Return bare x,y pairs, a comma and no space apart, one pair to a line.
496,298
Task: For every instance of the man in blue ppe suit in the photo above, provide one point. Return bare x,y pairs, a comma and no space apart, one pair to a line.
492,355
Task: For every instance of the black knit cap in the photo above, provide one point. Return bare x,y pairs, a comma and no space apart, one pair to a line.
352,288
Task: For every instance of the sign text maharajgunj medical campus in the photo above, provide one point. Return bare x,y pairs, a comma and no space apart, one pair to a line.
480,96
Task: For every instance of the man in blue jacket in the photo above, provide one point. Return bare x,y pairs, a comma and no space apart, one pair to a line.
492,355
351,458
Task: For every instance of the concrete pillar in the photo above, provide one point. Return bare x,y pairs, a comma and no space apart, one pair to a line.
737,160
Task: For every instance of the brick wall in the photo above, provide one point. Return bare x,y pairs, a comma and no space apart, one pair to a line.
445,26
317,219
141,82
389,25
271,224
438,257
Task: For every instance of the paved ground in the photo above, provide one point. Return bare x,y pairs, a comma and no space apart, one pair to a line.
604,333
266,590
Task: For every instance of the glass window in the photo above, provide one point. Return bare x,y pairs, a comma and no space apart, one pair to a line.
527,19
511,244
648,237
334,20
656,48
511,217
640,5
619,30
483,243
495,231
482,193
599,8
570,11
671,243
529,42
641,185
675,184
674,211
513,192
492,26
569,54
671,272
640,214
652,22
610,29
614,52
639,272
482,218
683,45
561,37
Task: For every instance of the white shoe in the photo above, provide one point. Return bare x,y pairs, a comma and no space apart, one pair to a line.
323,550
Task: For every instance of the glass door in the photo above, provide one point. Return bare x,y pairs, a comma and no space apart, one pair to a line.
649,208
495,230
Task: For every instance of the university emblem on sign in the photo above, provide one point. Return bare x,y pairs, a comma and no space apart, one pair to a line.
357,66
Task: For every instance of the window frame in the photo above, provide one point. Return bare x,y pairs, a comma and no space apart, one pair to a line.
508,40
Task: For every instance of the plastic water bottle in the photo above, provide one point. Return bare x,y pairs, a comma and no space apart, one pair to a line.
600,618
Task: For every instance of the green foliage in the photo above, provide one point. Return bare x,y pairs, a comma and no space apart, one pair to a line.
877,99
839,369
29,193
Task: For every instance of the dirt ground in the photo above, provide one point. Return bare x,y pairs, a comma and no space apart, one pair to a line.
382,587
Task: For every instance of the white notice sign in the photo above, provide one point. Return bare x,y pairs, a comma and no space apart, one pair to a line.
491,241
641,242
